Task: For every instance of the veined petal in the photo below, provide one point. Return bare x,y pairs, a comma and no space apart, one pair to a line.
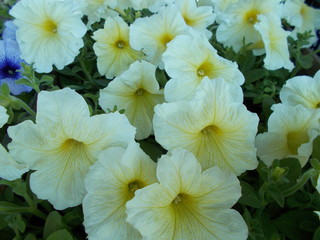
113,49
179,176
188,60
52,108
137,92
302,90
3,116
29,146
62,149
291,131
110,183
159,211
10,169
212,125
151,34
237,22
49,32
275,42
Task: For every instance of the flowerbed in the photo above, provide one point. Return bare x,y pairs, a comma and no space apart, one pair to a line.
159,120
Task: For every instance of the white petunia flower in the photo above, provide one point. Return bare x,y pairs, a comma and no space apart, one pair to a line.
110,183
302,90
187,203
152,5
302,17
239,20
152,34
198,18
3,116
137,91
63,143
96,10
9,168
214,126
113,49
275,42
49,32
220,6
190,58
291,131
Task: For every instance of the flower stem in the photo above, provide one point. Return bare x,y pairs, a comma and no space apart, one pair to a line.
300,183
25,107
85,70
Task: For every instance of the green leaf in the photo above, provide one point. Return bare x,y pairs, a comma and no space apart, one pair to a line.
153,151
289,224
5,90
316,148
23,81
62,234
30,236
275,193
74,217
293,172
3,222
53,223
249,196
47,80
16,222
316,235
255,74
305,61
8,207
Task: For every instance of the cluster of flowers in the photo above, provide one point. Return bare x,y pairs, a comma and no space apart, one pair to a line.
199,116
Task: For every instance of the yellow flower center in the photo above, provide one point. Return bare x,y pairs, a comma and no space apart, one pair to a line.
134,186
72,150
304,10
318,105
165,38
120,44
295,140
251,16
211,130
177,199
207,68
188,21
72,145
200,73
50,26
140,91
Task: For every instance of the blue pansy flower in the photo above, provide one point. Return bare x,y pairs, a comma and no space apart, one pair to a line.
10,63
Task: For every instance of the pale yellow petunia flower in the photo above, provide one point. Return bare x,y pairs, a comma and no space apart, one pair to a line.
49,32
63,143
110,183
303,90
291,131
137,92
152,34
275,43
239,20
114,53
214,125
188,204
9,168
190,58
